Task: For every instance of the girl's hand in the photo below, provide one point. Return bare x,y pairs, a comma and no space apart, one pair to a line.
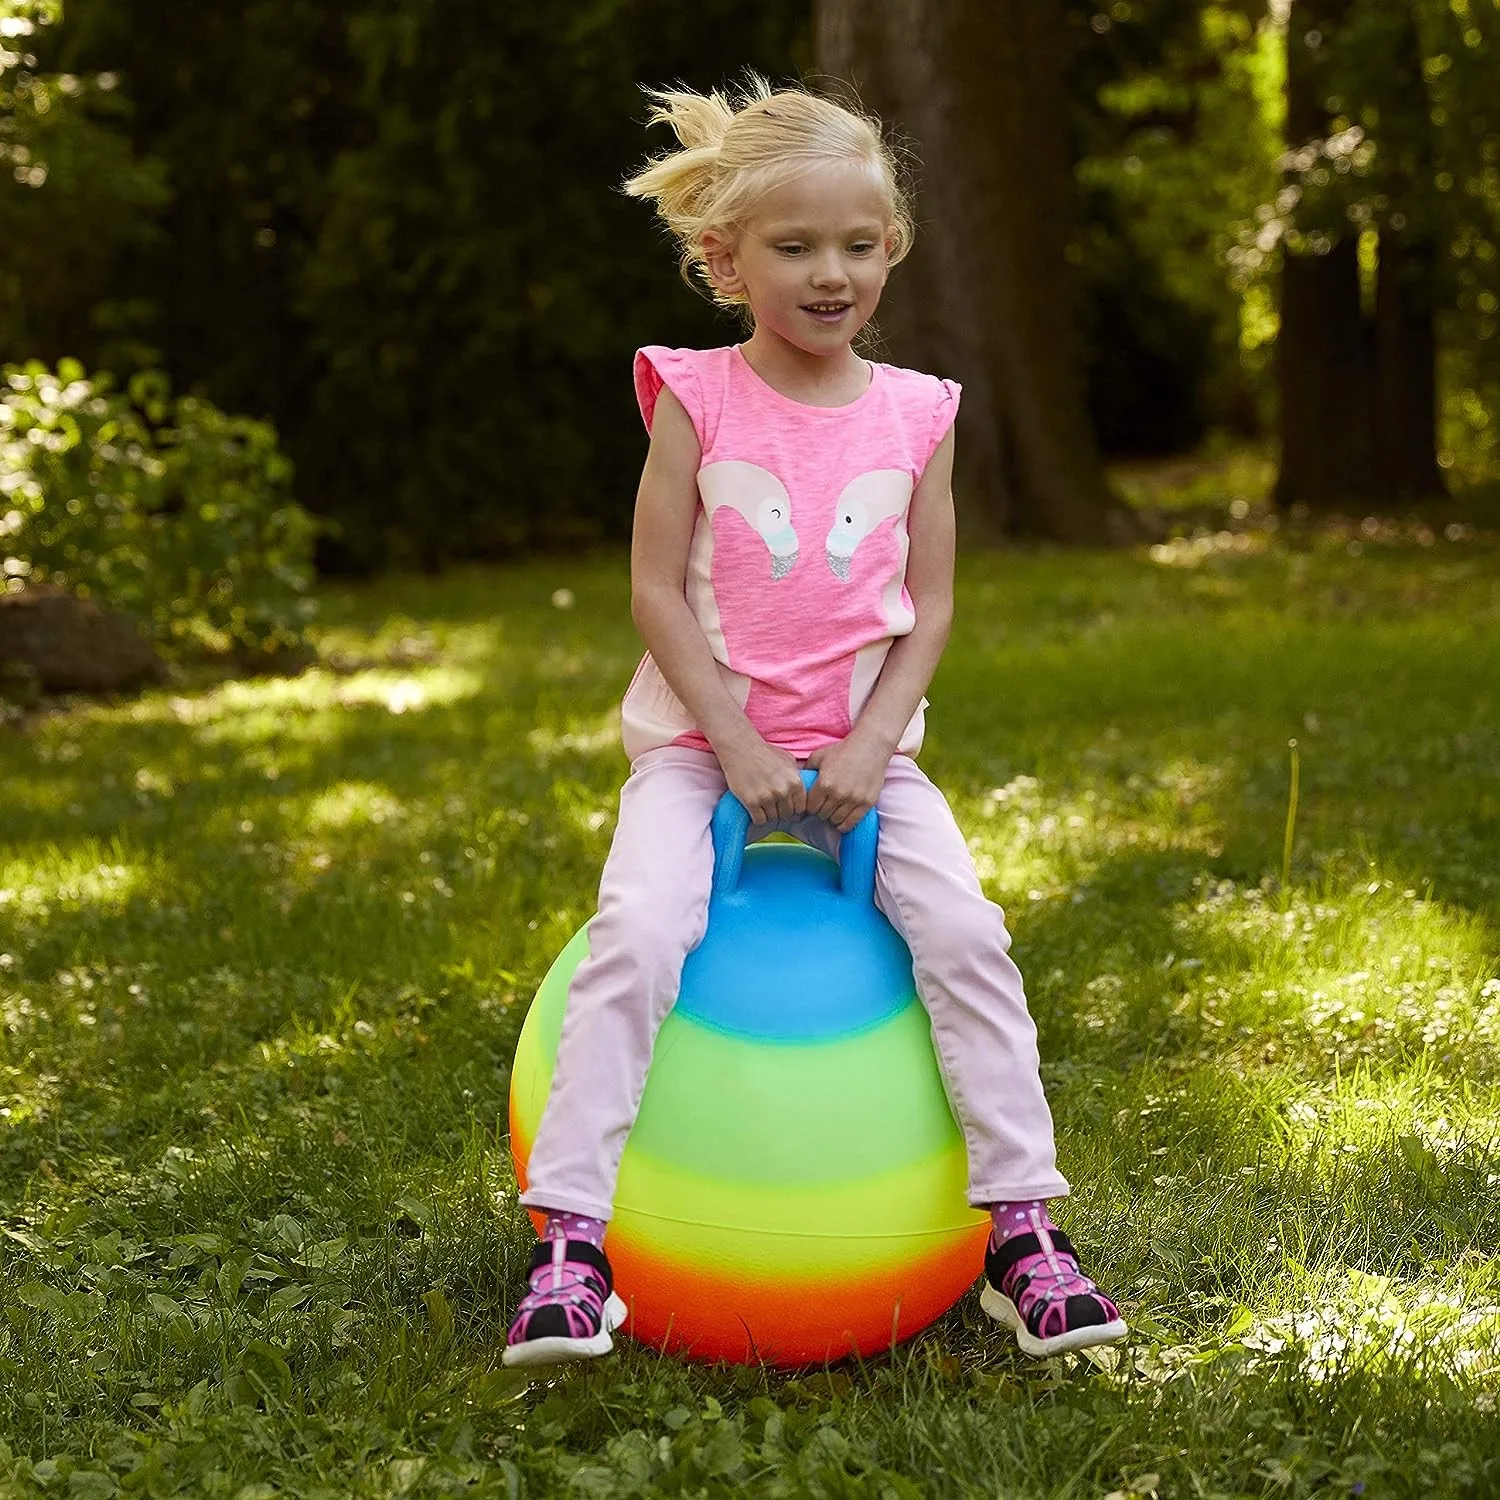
851,774
767,780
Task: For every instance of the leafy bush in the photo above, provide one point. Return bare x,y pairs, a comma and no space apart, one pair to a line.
77,203
167,508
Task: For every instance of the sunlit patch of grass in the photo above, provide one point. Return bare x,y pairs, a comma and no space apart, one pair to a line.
601,734
1342,1320
1338,1324
274,707
1234,480
269,944
67,879
1047,842
349,804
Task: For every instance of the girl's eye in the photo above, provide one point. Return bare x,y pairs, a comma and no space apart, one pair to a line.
863,247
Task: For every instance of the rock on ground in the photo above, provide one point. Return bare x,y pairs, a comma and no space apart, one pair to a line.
64,643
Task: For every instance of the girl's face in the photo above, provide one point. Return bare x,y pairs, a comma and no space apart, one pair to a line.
817,242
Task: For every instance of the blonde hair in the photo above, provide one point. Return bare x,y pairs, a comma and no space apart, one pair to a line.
734,151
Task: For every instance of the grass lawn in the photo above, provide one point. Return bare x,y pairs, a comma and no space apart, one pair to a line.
265,949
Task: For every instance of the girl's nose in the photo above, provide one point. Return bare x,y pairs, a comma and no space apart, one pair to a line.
829,272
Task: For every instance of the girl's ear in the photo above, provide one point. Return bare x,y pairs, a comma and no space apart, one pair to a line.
719,255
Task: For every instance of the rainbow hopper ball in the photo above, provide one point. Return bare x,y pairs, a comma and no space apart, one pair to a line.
794,1188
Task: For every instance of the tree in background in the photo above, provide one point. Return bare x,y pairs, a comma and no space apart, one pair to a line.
1177,108
1388,222
985,294
1339,248
1408,262
74,196
1460,46
1324,348
245,105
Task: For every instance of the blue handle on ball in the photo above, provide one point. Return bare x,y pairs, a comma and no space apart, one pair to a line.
731,827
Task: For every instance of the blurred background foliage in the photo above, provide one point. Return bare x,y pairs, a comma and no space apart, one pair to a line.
388,228
166,508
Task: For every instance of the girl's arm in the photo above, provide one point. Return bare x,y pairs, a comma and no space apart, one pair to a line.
852,772
764,778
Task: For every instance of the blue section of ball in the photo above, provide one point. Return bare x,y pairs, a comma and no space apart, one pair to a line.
789,957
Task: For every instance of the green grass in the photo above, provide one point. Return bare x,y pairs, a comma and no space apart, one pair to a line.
267,946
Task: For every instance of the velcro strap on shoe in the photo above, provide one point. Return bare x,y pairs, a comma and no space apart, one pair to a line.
997,1263
580,1252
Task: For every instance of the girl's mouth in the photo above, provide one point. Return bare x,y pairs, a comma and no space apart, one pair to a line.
827,312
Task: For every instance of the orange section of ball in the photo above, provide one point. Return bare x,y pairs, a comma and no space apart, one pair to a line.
682,1309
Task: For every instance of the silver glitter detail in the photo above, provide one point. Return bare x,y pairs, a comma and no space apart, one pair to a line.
839,565
782,563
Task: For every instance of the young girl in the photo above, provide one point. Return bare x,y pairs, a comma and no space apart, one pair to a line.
792,570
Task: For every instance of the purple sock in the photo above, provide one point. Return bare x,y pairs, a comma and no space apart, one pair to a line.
1011,1219
1049,1290
564,1226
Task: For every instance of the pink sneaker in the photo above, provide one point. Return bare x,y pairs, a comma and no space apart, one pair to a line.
571,1309
1032,1284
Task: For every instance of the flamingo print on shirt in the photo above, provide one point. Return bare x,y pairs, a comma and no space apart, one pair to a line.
784,613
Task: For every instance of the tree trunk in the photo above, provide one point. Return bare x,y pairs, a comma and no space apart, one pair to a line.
1406,343
1359,394
984,295
1323,354
1406,371
1324,348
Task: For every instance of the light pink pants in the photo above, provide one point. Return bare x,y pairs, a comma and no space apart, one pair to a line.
653,908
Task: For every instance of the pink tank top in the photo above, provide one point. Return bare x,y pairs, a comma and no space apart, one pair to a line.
797,566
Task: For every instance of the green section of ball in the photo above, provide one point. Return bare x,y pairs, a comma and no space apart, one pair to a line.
531,1073
869,1225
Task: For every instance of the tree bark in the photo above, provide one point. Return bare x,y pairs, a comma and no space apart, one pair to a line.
985,295
1359,392
1405,337
1323,354
1406,371
1324,350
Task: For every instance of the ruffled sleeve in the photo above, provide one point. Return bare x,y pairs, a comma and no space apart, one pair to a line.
944,412
656,366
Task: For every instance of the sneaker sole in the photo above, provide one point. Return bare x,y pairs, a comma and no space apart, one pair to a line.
560,1351
1003,1310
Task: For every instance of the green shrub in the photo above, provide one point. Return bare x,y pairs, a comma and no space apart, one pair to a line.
164,507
